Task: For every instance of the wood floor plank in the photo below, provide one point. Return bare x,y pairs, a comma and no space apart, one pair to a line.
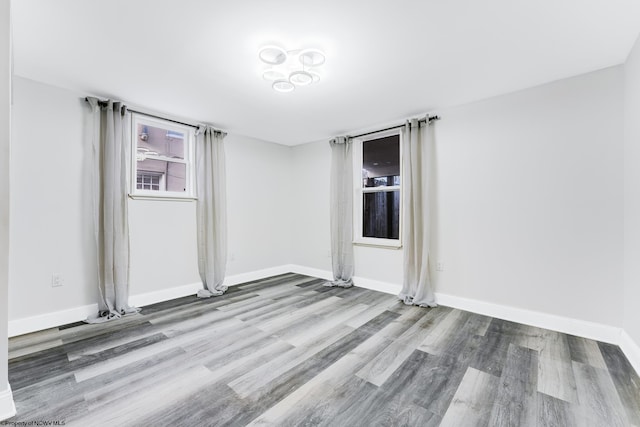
134,378
357,343
435,379
261,375
227,369
599,401
212,405
473,400
118,412
228,345
554,412
322,386
616,360
585,351
491,354
103,365
301,335
380,369
39,403
555,369
284,288
289,313
34,342
437,340
331,369
628,388
374,309
516,398
376,405
272,307
478,324
78,349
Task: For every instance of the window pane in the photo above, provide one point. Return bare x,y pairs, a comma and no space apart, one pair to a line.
381,162
161,175
176,177
158,141
148,181
381,215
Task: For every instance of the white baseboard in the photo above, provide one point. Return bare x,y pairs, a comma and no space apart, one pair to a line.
57,318
308,271
148,298
631,349
567,325
238,279
7,407
376,285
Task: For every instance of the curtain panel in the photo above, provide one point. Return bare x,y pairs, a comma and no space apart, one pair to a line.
341,212
211,210
417,156
111,154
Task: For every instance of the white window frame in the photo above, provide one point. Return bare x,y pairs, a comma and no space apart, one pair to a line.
189,142
359,191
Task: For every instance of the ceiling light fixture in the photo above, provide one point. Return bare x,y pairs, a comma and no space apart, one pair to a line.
284,67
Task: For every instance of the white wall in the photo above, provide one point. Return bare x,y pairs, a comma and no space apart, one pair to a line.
632,195
51,207
7,408
51,230
529,190
310,225
259,198
528,201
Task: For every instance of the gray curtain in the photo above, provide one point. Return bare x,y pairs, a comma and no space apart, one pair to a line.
111,155
417,157
211,210
341,212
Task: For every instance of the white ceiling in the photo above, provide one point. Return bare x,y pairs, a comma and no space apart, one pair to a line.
386,60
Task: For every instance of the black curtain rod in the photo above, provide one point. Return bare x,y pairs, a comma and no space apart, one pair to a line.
164,118
153,115
431,119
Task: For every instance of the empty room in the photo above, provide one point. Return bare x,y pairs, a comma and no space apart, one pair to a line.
337,213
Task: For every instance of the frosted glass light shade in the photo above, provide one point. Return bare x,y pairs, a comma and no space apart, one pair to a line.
300,78
272,55
315,76
311,57
283,86
272,74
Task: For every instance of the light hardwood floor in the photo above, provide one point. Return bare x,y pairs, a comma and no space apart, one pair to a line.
287,351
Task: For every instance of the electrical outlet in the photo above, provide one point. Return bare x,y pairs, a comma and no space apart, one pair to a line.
56,280
440,266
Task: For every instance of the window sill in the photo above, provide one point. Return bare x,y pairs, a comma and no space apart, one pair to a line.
378,243
165,198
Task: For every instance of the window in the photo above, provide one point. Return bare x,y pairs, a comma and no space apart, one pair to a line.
163,157
149,181
378,192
